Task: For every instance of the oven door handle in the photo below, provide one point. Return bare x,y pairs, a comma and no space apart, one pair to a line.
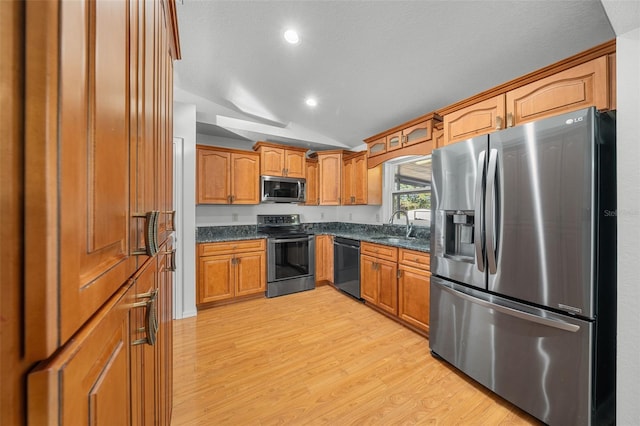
290,240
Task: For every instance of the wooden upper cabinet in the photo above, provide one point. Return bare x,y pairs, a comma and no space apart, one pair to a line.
417,133
94,168
245,183
478,119
581,81
294,163
355,182
213,176
281,160
227,176
330,177
414,137
377,147
578,87
312,183
394,141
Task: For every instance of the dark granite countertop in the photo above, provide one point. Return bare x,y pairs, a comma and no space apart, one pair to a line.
391,235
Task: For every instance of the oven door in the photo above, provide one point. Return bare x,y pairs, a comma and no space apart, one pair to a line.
290,257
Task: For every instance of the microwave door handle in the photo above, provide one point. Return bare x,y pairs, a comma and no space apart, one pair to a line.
479,221
490,202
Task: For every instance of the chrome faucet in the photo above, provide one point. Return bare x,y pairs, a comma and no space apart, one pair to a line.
406,216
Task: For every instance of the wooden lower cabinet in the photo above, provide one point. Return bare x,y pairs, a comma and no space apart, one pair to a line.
396,281
117,369
413,294
231,269
324,259
88,381
379,284
378,276
414,279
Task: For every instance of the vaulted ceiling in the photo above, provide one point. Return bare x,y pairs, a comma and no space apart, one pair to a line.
370,64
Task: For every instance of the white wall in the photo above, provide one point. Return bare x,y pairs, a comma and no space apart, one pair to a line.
628,167
184,126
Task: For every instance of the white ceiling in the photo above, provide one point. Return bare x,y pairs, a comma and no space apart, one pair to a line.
371,64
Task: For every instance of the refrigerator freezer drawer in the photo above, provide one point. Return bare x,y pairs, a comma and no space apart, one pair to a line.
536,359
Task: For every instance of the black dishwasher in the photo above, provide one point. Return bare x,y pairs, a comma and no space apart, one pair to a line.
346,265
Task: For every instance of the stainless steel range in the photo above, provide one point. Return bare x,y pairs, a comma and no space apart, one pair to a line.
290,254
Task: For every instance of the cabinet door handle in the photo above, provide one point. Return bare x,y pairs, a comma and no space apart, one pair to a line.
150,233
229,199
510,119
172,222
172,260
150,318
498,122
399,273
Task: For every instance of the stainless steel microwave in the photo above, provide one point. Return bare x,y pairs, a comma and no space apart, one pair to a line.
276,189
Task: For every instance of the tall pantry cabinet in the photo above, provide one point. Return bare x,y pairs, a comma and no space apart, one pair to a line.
90,183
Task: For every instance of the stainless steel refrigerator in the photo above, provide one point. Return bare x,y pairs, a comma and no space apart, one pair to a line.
523,252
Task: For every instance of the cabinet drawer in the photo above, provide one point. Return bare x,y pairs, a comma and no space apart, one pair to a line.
379,251
208,249
414,258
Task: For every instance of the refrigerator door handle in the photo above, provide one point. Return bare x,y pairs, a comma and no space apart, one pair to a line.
513,312
479,220
490,202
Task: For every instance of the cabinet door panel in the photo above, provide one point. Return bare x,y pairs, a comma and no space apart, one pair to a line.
312,183
273,161
245,184
144,364
88,381
478,119
330,167
369,279
347,182
294,163
360,182
417,133
214,180
578,87
413,295
94,158
388,286
215,278
251,273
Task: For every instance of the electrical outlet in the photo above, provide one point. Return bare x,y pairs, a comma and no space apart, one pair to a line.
234,217
377,217
322,215
350,216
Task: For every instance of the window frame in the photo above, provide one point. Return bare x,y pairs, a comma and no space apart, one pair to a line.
390,191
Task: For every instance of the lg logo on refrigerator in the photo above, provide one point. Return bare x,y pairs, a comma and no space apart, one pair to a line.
574,120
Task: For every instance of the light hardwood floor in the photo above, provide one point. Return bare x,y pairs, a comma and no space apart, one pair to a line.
318,357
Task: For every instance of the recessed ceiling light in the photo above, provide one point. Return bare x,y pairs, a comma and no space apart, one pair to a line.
292,36
311,102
